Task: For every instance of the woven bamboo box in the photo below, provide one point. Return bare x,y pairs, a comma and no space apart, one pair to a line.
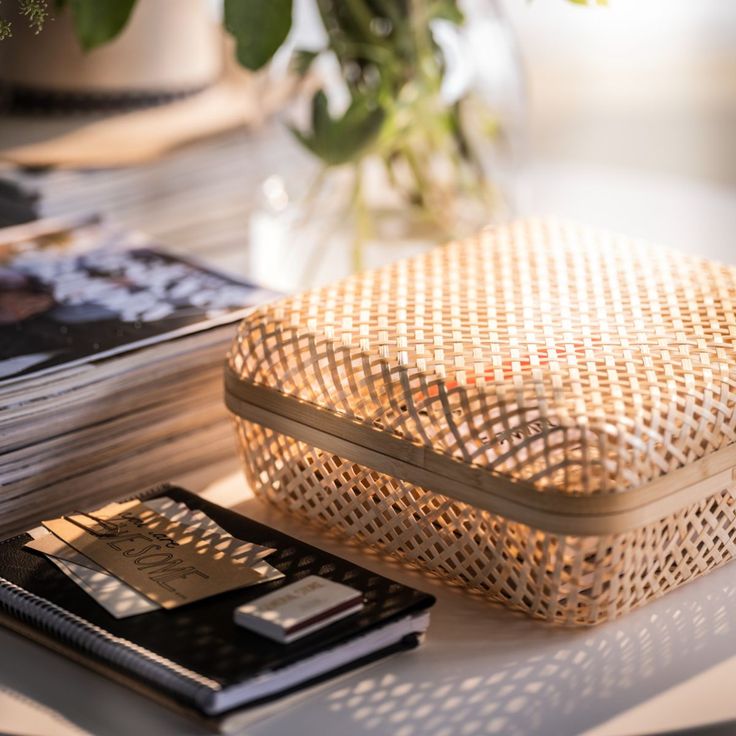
544,413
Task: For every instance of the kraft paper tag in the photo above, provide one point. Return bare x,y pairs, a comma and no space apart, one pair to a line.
165,561
51,546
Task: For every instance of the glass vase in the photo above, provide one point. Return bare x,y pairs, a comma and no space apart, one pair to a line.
439,166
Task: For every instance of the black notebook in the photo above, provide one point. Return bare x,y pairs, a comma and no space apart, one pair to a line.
195,658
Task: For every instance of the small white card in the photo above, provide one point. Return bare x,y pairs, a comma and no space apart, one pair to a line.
301,608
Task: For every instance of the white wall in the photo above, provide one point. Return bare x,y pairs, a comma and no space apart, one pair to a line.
639,84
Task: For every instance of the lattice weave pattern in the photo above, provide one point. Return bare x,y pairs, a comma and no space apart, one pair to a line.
567,358
563,579
570,360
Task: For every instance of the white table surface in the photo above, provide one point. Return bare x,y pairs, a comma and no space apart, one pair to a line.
481,670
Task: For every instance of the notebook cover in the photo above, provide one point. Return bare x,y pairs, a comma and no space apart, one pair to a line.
201,638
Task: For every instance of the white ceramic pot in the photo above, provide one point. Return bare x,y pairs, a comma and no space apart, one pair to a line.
168,48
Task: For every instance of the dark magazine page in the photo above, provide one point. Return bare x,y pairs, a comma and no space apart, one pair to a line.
91,292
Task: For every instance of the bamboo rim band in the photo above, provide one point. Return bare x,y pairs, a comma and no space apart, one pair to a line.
552,511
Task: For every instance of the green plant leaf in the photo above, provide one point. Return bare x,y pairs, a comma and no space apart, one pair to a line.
339,140
99,21
321,120
259,28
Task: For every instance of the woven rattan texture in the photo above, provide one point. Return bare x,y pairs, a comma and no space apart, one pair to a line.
568,580
555,354
568,359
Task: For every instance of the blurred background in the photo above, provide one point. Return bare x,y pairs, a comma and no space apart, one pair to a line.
632,114
645,85
619,114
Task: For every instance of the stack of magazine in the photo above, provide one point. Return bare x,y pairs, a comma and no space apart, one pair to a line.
111,356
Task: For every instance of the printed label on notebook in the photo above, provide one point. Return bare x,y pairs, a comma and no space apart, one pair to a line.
167,562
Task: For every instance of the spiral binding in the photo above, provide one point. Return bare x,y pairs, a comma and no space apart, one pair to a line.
76,631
